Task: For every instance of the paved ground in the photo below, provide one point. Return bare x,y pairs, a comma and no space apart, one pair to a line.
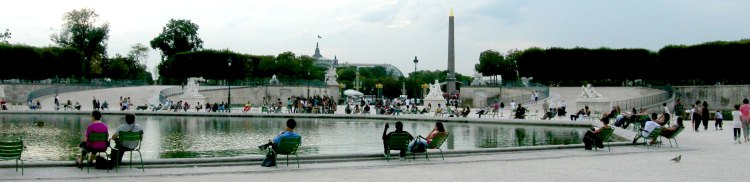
706,156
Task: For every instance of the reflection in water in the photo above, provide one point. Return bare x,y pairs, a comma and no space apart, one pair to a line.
194,137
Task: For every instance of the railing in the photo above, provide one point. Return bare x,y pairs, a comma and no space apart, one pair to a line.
56,89
526,97
643,101
177,90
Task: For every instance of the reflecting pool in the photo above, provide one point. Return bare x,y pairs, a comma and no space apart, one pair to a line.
56,137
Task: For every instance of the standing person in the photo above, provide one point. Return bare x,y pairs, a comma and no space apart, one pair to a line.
696,115
536,97
122,147
679,109
705,115
93,103
719,121
87,146
745,110
57,102
387,137
512,106
736,115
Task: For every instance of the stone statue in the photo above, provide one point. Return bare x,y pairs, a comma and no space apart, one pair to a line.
2,91
588,92
191,89
477,79
331,76
273,80
435,91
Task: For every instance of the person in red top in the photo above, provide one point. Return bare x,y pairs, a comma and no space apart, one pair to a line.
87,146
745,110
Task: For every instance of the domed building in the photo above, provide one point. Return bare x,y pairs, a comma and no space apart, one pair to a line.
323,62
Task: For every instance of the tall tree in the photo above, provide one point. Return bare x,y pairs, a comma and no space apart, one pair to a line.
138,52
490,63
178,36
5,36
81,31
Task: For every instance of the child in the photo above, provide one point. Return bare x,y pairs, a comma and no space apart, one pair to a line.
719,119
736,114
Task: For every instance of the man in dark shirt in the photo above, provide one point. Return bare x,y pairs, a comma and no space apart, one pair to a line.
386,137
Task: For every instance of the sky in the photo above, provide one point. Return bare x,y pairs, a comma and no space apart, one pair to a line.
394,31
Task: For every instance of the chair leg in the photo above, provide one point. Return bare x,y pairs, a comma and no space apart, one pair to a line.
675,143
287,160
441,153
670,142
297,158
426,156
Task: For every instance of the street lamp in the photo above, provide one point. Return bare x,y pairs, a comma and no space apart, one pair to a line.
415,79
380,89
229,87
308,84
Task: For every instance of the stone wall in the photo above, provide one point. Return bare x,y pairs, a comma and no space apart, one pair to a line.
255,95
717,96
18,93
479,95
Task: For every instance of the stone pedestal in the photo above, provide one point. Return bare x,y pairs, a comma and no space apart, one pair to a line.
595,104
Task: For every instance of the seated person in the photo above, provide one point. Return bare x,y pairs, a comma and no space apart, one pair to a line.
669,131
591,136
77,106
105,105
439,110
480,112
348,109
575,116
386,137
466,111
356,109
246,108
87,146
367,109
287,133
520,112
123,146
424,142
649,127
424,110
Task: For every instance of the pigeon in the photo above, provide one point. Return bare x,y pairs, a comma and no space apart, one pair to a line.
677,159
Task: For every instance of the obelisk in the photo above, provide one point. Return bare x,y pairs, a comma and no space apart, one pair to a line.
451,79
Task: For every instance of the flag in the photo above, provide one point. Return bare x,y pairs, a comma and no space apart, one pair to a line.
320,37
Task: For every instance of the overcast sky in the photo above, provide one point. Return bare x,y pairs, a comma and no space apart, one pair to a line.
394,31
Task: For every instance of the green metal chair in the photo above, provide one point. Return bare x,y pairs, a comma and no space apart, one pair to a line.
288,146
673,137
604,136
125,136
654,135
11,149
397,141
436,142
95,137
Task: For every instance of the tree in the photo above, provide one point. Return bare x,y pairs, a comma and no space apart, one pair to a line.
490,63
177,36
80,31
5,36
138,52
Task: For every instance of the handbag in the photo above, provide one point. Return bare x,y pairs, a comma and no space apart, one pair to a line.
269,161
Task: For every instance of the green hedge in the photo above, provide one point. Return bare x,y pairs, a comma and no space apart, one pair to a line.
33,63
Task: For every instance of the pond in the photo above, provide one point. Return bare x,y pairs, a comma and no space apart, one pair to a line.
55,137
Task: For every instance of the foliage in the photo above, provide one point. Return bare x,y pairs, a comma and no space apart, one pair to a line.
81,32
32,63
139,53
5,36
707,63
177,36
125,68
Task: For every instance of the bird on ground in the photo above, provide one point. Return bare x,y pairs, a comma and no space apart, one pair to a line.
677,159
39,123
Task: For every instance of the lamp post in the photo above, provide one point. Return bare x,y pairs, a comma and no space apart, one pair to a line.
415,79
380,89
308,84
229,86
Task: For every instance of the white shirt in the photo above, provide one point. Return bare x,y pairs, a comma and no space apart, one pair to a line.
666,110
719,116
650,126
513,105
736,117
